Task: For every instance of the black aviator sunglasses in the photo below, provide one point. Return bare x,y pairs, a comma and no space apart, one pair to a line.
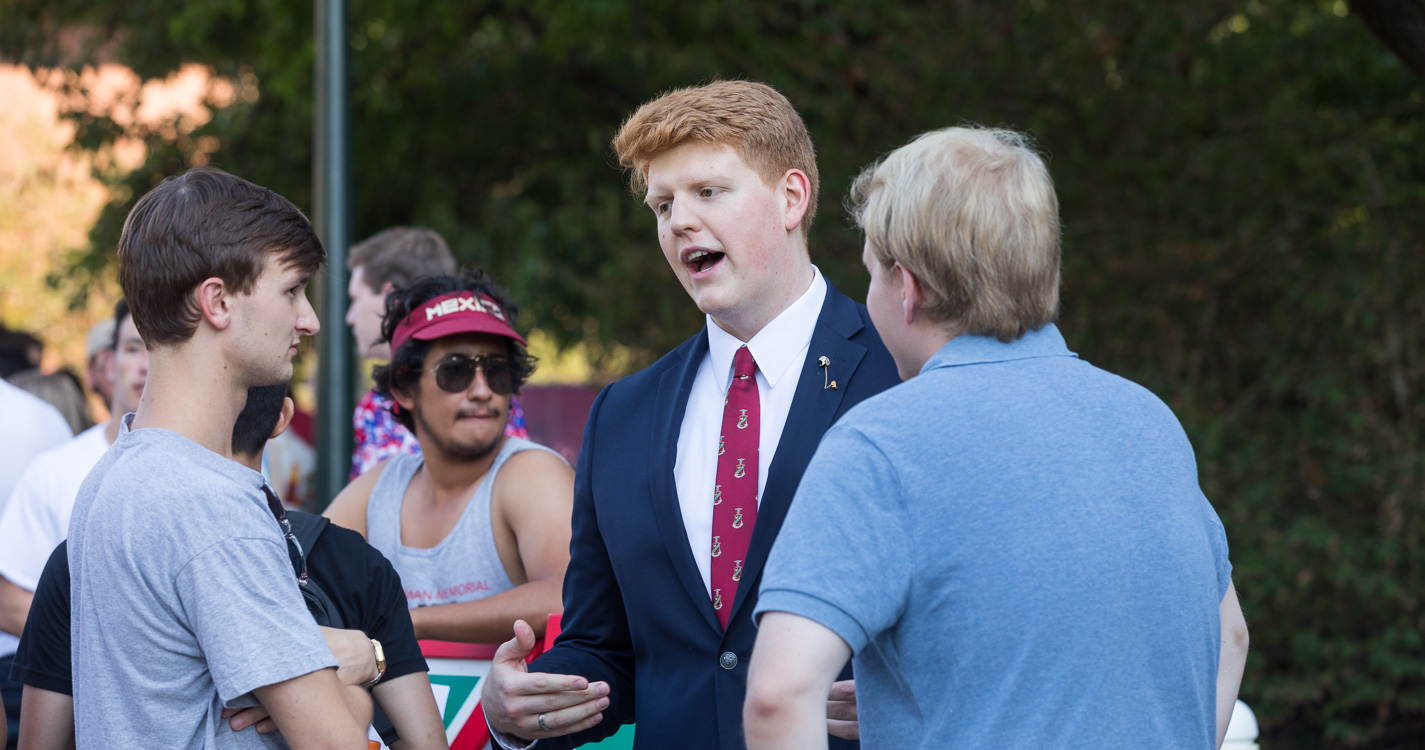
456,372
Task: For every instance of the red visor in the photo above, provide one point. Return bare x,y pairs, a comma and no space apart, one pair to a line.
449,314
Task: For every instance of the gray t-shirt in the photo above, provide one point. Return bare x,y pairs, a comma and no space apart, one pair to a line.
183,598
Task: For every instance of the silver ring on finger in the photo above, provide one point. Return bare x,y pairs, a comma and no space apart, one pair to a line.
542,725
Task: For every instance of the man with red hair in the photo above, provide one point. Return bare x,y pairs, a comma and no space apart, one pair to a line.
688,467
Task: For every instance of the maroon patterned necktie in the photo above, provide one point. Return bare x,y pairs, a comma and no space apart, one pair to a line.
735,495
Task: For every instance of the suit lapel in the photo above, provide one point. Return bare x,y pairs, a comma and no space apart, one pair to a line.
668,409
813,408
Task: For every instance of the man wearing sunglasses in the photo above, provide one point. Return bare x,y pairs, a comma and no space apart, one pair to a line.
477,523
385,261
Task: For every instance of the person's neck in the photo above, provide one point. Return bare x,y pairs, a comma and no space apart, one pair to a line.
925,340
745,324
191,395
111,430
451,478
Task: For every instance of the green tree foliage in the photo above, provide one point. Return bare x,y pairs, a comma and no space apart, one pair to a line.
1243,196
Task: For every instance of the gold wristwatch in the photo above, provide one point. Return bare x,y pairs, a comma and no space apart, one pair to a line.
380,663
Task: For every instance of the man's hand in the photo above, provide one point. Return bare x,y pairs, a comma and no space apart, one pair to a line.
515,701
841,711
257,716
355,657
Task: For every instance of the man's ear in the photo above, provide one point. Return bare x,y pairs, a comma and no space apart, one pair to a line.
289,409
387,288
911,292
795,191
215,302
405,400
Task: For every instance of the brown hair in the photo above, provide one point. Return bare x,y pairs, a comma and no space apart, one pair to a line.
400,255
202,224
754,119
972,213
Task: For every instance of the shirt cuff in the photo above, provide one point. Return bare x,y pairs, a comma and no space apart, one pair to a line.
503,740
816,609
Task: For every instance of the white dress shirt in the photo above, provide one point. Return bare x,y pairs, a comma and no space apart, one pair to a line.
779,349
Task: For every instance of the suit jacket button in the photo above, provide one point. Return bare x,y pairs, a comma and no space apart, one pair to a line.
728,660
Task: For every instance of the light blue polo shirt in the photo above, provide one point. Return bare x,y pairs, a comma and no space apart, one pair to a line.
1015,547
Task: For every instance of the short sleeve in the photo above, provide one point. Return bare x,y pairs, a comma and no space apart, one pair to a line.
842,557
388,619
29,528
43,659
1217,540
242,602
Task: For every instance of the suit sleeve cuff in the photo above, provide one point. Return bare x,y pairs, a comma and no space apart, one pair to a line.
504,741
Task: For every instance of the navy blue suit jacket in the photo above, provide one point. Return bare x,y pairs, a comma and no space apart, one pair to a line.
636,613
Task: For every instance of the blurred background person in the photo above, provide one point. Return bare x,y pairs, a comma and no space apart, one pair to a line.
62,390
19,351
37,519
98,351
37,427
380,264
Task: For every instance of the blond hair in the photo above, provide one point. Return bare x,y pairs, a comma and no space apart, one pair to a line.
972,213
753,119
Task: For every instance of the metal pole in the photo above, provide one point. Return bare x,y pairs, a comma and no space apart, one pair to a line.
331,177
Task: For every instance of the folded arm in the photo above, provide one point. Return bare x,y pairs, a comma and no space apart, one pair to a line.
1233,658
315,711
410,705
47,723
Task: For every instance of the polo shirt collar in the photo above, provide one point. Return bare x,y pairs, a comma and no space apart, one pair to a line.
778,345
974,350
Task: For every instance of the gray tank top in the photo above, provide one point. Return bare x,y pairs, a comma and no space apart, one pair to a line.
465,565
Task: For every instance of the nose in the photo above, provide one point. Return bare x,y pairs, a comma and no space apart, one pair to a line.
682,218
351,314
307,322
479,389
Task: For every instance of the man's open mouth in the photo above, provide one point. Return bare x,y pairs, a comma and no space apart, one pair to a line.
701,260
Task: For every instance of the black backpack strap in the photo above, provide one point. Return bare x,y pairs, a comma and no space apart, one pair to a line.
308,529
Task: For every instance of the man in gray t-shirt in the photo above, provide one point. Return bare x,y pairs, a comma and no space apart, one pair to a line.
184,596
187,597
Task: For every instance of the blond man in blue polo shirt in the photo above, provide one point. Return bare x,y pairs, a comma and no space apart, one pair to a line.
1013,543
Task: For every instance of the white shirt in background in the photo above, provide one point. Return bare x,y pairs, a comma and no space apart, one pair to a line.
34,428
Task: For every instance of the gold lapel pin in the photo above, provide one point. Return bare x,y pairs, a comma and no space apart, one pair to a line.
826,374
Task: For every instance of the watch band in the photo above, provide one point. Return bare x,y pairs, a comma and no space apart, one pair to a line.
380,663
